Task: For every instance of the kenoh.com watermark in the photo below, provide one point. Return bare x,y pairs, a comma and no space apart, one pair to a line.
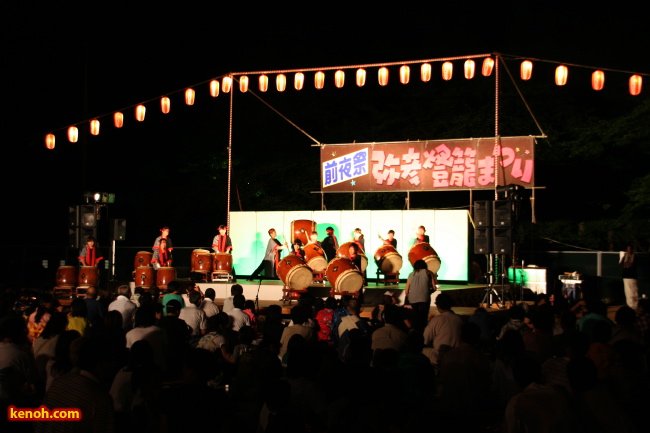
43,414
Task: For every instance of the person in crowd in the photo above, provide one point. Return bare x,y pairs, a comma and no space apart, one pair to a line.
124,305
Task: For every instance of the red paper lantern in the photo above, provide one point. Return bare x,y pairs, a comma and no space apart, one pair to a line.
118,119
298,80
281,82
165,104
636,82
94,127
383,76
263,83
561,75
73,134
243,84
189,96
425,72
226,84
447,70
526,70
50,141
214,88
488,65
140,111
404,74
361,77
339,78
469,68
319,80
598,80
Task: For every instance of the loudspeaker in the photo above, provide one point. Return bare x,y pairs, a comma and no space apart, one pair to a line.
502,213
483,213
87,216
118,229
77,236
483,241
502,241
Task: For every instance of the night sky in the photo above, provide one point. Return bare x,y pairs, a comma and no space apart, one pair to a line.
66,63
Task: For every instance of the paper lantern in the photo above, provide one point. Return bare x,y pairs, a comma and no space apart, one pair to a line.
469,68
298,80
319,80
281,82
118,119
425,72
404,74
526,70
140,111
447,70
94,127
598,80
636,81
50,141
243,84
361,77
561,75
189,96
263,83
226,84
383,76
339,78
73,134
165,104
214,88
488,65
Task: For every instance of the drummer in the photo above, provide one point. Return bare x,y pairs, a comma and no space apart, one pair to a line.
164,234
390,240
420,236
162,256
221,242
354,256
271,257
297,249
359,239
89,255
313,239
330,244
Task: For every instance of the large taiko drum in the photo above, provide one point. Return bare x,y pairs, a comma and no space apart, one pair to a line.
88,276
222,262
164,276
343,275
315,258
424,251
344,251
388,259
201,261
144,276
294,272
301,229
142,258
66,276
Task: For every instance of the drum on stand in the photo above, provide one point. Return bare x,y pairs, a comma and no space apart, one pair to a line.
343,275
424,251
294,272
315,258
144,276
66,276
164,276
301,229
88,276
344,251
142,258
388,259
201,261
222,262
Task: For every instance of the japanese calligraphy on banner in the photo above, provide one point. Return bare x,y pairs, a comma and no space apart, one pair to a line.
428,165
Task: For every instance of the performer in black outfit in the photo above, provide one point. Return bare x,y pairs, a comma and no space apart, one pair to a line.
330,244
271,258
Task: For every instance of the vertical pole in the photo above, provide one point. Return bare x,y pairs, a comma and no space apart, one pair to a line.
497,150
232,91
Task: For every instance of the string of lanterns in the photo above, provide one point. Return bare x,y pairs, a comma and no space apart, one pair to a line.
635,84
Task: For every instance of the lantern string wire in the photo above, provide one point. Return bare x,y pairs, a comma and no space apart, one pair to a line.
283,116
573,65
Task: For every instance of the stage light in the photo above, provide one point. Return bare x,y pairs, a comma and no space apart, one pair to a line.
447,70
425,72
404,74
94,127
561,75
488,65
165,104
50,141
73,134
298,80
339,78
214,88
243,84
281,82
469,68
189,96
118,119
263,83
383,76
361,77
226,83
319,80
636,82
140,111
526,70
97,196
598,80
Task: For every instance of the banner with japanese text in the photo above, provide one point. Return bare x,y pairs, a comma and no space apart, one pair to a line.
427,165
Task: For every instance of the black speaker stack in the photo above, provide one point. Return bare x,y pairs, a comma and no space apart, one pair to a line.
493,227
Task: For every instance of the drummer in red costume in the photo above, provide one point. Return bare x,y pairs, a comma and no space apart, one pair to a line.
271,257
162,257
390,240
221,242
89,255
164,234
420,236
313,239
297,249
359,240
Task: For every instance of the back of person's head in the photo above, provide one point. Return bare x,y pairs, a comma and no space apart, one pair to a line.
14,329
56,325
210,293
330,303
470,333
173,287
274,313
625,316
173,307
354,306
95,356
124,290
91,292
113,320
307,299
79,308
246,335
249,304
419,265
444,302
145,316
140,355
139,290
392,315
199,366
195,297
236,289
238,301
516,312
217,322
63,362
299,314
155,293
597,307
